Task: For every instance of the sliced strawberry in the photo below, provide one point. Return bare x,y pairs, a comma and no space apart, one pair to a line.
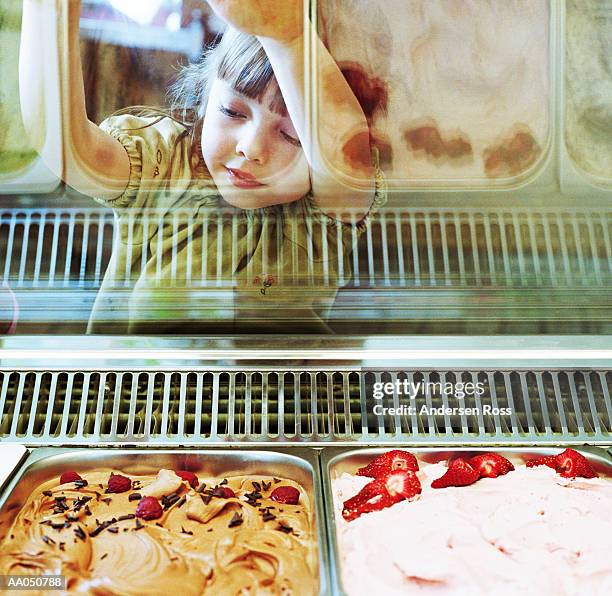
118,483
189,477
70,476
548,460
571,464
490,465
223,492
388,462
381,493
288,495
402,484
459,473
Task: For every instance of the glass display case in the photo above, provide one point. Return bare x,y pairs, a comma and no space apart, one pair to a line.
184,331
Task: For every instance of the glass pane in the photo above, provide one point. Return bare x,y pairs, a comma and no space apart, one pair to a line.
16,152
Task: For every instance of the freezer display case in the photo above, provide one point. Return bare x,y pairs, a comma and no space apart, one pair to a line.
169,331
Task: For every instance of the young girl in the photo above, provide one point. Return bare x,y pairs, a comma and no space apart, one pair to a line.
233,206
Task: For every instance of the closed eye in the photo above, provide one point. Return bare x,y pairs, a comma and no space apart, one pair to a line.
230,113
290,139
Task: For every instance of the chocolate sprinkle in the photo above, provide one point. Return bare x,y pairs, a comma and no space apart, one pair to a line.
103,556
182,501
79,533
58,525
128,516
47,493
135,497
236,520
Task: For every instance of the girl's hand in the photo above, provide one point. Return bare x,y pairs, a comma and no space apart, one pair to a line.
281,20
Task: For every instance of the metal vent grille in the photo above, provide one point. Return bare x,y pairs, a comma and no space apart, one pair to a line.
404,248
319,406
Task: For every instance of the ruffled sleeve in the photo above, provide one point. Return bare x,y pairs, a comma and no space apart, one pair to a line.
156,153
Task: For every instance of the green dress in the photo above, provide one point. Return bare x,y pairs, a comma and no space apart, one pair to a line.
184,262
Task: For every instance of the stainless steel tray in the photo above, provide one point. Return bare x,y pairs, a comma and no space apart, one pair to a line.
337,460
300,464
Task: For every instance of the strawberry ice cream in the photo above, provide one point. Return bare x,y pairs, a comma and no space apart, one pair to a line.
529,530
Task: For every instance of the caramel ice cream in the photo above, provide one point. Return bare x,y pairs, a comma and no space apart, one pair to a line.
241,535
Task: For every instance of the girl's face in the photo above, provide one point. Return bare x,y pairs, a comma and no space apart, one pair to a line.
252,153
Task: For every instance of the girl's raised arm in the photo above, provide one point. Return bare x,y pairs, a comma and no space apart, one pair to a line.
339,156
94,162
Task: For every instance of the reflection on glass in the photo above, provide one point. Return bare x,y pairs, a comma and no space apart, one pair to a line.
457,93
16,151
588,81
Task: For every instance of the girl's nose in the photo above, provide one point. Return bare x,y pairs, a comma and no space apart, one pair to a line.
252,144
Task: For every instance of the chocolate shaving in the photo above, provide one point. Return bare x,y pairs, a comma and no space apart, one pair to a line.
79,533
159,525
201,487
138,525
48,540
256,486
58,525
80,483
114,529
107,500
236,520
266,485
276,480
135,497
188,532
88,510
267,516
169,500
47,493
206,498
223,482
62,546
128,516
103,556
182,501
283,527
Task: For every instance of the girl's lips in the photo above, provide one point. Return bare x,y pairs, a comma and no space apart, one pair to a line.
242,179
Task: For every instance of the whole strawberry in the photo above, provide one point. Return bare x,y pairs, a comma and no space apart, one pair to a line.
388,462
188,477
118,483
149,508
70,476
287,495
459,473
491,465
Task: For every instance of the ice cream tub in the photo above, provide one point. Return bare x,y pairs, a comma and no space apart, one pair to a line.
215,520
458,96
430,543
585,89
